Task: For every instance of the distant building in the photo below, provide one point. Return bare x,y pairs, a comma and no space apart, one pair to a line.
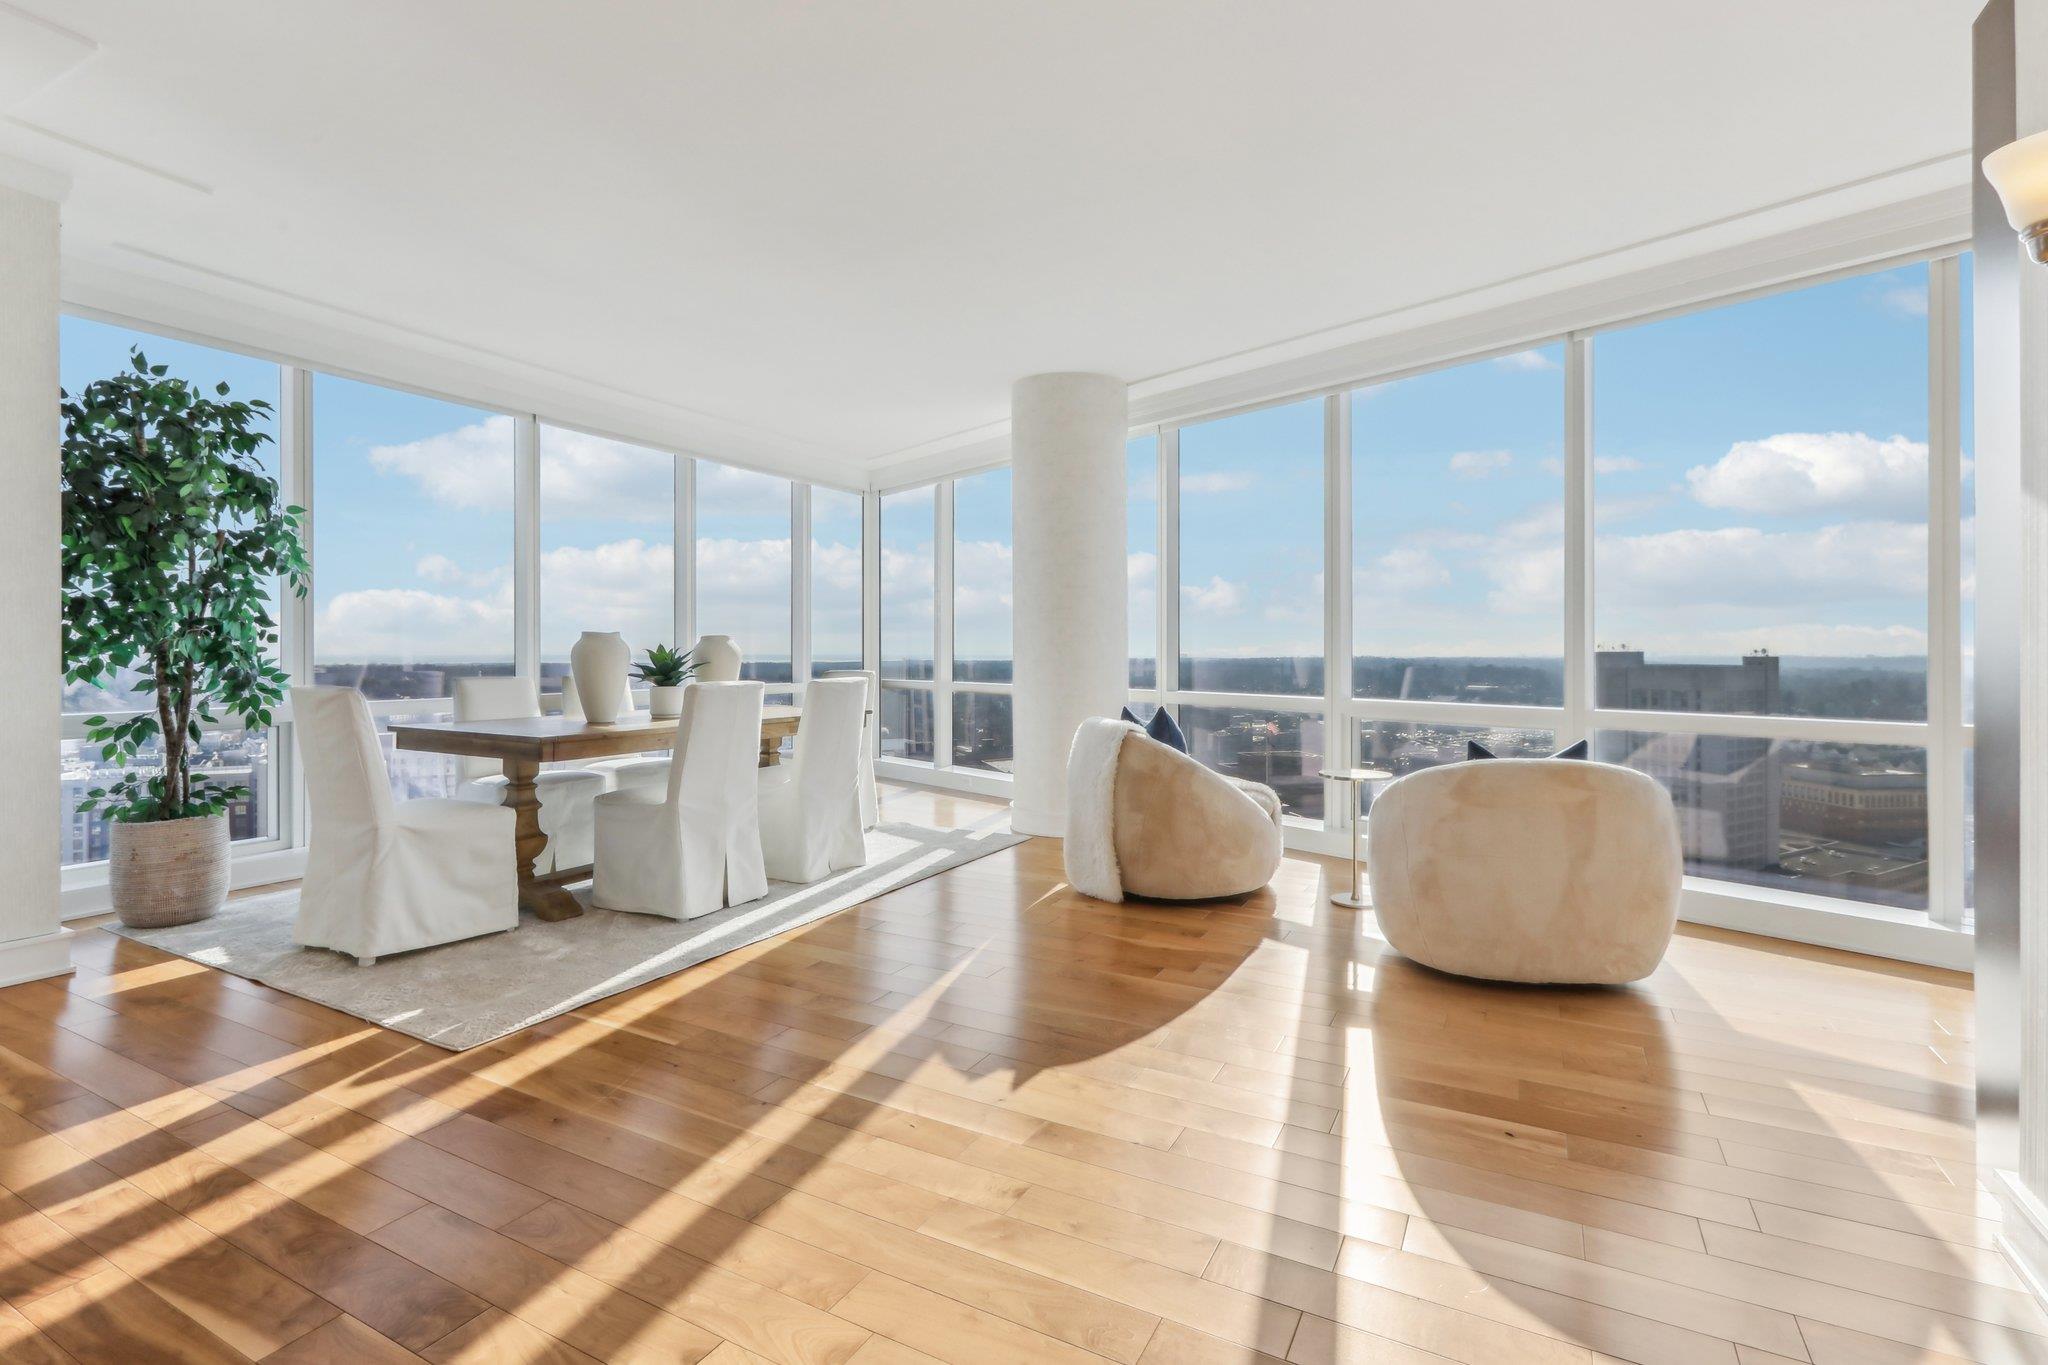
1279,749
1858,805
1728,791
1623,681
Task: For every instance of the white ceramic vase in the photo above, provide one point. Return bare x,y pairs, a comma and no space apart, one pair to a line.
718,659
599,660
665,703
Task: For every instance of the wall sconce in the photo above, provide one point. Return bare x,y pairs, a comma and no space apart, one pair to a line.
2019,172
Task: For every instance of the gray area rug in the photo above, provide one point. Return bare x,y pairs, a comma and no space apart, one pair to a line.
461,995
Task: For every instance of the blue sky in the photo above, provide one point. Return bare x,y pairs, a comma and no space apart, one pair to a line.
1761,472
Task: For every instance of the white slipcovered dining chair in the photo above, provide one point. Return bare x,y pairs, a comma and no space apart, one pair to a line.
634,770
810,806
568,796
870,798
572,709
693,846
385,876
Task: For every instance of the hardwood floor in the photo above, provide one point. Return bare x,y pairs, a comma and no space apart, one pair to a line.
984,1120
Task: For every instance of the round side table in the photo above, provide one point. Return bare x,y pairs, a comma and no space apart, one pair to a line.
1351,777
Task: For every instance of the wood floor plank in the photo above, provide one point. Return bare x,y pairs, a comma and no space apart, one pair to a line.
982,1118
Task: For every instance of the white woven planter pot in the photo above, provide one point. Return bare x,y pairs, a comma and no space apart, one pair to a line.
165,872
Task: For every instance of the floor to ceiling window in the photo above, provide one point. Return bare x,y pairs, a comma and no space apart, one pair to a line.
1457,488
909,623
412,541
1757,586
835,581
1761,479
1141,510
1250,603
744,568
607,545
981,674
90,350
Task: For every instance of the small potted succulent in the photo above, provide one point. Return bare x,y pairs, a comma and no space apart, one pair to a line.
665,672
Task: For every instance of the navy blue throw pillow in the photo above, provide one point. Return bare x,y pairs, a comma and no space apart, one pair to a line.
1474,749
1162,728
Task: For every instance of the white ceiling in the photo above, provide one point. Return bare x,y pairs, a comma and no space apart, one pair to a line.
837,232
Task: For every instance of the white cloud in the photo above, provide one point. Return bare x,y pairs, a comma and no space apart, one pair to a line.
1480,464
1215,483
1403,569
1747,567
1836,471
1526,360
1904,300
413,625
470,469
725,490
1219,596
625,585
981,599
1602,464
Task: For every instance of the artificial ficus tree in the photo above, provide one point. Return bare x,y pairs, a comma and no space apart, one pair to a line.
173,538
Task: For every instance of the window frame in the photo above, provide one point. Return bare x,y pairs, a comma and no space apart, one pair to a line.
281,857
1942,733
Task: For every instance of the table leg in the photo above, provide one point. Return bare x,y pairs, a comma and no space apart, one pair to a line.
771,750
1353,899
546,902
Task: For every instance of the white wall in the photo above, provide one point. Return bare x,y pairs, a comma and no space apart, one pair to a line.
32,944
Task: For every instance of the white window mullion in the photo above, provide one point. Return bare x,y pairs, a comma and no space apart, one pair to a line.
942,624
1338,742
295,613
1944,596
871,584
686,553
526,546
1169,566
1579,673
799,585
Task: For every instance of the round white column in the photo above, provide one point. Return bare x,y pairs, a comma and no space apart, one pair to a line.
1070,586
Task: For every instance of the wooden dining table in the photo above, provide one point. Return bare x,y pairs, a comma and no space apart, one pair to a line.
523,745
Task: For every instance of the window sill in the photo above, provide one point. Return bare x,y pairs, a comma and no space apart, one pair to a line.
85,891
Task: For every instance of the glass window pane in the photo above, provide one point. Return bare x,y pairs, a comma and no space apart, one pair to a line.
907,585
1407,746
238,758
835,581
1251,552
743,572
907,723
1282,749
607,545
1458,533
412,534
1831,819
981,577
416,774
981,732
1761,486
1141,459
88,351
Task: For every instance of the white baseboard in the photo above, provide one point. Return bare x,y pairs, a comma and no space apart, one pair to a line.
2023,1240
35,958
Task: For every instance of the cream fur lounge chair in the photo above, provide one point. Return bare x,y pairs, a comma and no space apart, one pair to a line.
1144,819
1527,869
